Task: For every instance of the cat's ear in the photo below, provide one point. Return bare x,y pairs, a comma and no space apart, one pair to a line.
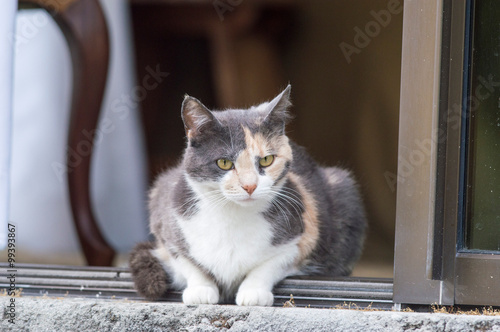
277,109
195,116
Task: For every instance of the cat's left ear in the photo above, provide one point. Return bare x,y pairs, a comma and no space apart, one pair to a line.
278,109
195,116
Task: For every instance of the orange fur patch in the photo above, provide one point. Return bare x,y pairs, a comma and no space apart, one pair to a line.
283,155
245,163
309,238
258,145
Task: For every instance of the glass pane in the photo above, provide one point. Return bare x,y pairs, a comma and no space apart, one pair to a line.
483,190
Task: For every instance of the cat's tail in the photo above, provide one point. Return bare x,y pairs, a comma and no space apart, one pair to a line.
150,279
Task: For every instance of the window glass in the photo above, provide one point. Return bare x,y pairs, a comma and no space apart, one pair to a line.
482,229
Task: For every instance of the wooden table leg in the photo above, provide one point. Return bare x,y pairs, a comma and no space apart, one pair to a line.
84,26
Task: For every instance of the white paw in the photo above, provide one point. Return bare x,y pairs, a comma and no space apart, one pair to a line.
254,296
200,295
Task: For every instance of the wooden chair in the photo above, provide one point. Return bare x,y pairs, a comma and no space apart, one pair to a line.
84,26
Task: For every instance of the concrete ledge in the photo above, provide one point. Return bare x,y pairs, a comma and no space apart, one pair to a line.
74,314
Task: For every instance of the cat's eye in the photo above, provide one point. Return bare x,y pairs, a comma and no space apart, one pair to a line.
225,164
266,161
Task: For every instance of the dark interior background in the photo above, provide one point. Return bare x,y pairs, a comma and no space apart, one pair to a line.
346,113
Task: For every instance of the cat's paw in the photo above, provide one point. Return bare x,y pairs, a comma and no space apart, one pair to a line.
200,295
254,296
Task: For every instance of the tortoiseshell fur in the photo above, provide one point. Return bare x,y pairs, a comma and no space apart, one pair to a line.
225,234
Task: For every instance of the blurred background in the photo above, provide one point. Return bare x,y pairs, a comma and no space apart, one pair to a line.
341,57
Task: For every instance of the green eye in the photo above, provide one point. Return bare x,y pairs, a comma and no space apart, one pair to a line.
266,161
225,164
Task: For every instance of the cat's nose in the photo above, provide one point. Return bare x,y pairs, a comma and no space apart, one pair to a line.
250,188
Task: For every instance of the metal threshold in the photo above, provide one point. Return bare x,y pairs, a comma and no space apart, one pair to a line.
116,283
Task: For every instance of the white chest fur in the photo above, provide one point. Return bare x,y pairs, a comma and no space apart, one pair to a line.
229,242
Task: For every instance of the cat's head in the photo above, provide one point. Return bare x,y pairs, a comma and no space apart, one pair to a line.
238,155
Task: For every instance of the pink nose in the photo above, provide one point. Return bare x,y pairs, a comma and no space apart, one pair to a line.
250,188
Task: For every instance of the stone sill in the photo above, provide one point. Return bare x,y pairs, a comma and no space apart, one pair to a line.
83,314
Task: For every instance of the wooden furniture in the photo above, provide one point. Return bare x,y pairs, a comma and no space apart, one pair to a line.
84,26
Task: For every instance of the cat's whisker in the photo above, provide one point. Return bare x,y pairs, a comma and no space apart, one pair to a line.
278,199
297,208
292,199
218,203
190,211
291,191
295,198
281,208
189,206
191,202
215,193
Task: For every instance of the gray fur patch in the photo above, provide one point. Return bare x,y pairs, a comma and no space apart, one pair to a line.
162,206
285,214
203,152
341,215
185,202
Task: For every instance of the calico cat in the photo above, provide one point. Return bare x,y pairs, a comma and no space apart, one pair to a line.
246,208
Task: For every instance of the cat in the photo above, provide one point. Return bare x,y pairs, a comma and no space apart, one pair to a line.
246,208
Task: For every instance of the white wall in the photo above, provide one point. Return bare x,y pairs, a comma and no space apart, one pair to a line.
7,24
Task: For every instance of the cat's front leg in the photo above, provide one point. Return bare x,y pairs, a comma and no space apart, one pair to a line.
256,288
200,288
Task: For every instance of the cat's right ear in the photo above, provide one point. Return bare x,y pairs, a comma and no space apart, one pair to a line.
195,116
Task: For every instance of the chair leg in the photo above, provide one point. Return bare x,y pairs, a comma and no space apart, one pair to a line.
84,26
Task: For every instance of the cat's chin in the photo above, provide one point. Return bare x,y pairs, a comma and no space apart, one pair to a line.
247,202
